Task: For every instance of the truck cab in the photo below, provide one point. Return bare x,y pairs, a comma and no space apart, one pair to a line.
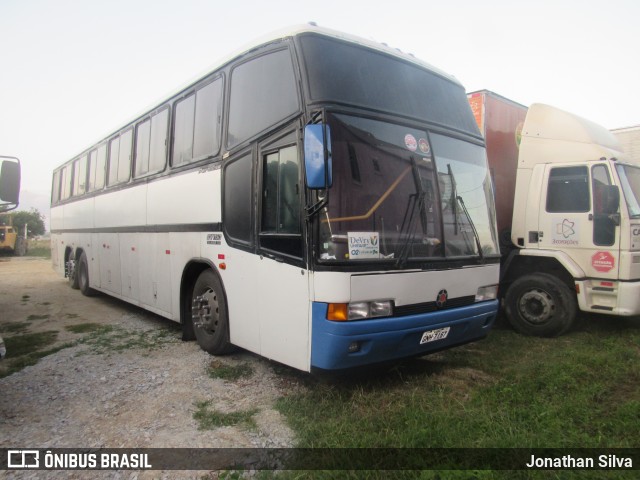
576,223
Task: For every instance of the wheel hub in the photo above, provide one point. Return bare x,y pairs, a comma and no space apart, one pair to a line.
536,306
204,311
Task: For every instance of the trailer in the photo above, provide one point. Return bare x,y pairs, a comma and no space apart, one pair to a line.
568,206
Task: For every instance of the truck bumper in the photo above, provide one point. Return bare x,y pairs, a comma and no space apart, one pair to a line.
385,339
610,297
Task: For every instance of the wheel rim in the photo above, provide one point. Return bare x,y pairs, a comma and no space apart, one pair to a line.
536,306
206,311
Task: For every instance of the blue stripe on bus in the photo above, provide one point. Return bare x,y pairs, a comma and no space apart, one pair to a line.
393,338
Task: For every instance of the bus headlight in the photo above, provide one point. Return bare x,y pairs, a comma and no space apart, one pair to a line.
489,292
341,312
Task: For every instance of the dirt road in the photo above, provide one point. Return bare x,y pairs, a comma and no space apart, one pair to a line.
124,378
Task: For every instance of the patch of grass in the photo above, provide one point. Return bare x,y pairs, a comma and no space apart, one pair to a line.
83,327
209,419
31,318
109,338
14,327
24,344
37,250
230,372
581,390
26,349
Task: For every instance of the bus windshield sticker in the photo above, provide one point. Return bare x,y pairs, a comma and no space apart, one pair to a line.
410,142
364,245
424,147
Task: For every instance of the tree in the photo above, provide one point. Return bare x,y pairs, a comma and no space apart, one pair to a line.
33,219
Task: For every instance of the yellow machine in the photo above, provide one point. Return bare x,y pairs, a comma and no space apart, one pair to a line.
10,239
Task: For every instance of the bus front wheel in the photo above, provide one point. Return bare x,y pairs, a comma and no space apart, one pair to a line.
209,314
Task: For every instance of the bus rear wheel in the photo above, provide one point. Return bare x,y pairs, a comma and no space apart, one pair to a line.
540,304
72,271
209,314
83,276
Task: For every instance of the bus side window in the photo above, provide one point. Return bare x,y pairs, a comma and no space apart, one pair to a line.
238,200
280,225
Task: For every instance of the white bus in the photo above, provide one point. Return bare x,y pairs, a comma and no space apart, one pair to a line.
318,199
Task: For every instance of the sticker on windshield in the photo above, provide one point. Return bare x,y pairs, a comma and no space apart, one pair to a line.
410,142
364,245
424,146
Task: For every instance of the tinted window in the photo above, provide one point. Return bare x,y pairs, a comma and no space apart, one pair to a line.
238,200
197,124
124,156
355,75
151,144
55,190
66,182
568,190
101,163
158,141
263,92
114,149
206,135
183,130
143,134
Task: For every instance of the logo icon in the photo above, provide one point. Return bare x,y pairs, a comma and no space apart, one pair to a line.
442,298
23,459
566,228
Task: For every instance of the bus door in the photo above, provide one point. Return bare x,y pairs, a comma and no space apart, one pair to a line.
283,280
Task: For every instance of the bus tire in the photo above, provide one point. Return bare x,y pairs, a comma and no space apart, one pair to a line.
72,271
209,314
541,305
83,276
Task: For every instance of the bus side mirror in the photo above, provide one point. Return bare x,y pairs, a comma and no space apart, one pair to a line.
9,183
317,156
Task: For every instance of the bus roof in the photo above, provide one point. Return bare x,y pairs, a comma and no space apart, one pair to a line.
272,37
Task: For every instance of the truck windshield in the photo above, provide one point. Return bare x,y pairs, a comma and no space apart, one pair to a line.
403,194
630,181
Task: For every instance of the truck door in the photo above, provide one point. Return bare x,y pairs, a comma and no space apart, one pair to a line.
575,218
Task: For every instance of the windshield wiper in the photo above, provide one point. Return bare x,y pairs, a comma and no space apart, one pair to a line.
418,201
458,198
473,226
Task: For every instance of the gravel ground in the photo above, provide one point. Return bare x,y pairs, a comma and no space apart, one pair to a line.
144,396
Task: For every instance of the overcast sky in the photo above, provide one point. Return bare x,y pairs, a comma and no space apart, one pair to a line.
74,71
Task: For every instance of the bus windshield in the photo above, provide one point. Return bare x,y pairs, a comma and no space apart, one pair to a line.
630,180
403,194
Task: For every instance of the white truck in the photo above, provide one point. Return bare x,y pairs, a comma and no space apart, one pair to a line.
568,206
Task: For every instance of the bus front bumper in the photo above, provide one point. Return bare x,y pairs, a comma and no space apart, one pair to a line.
341,345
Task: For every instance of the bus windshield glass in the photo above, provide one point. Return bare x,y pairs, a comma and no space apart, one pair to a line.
402,194
630,181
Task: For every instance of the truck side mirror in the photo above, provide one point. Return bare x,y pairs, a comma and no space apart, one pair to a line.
9,183
317,156
610,199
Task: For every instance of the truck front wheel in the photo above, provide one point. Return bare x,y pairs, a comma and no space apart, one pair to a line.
540,304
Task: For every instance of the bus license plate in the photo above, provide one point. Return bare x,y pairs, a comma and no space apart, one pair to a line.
433,335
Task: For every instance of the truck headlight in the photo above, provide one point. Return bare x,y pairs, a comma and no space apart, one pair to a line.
341,312
489,292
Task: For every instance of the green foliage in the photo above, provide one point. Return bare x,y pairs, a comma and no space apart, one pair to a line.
230,372
209,419
25,349
33,219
